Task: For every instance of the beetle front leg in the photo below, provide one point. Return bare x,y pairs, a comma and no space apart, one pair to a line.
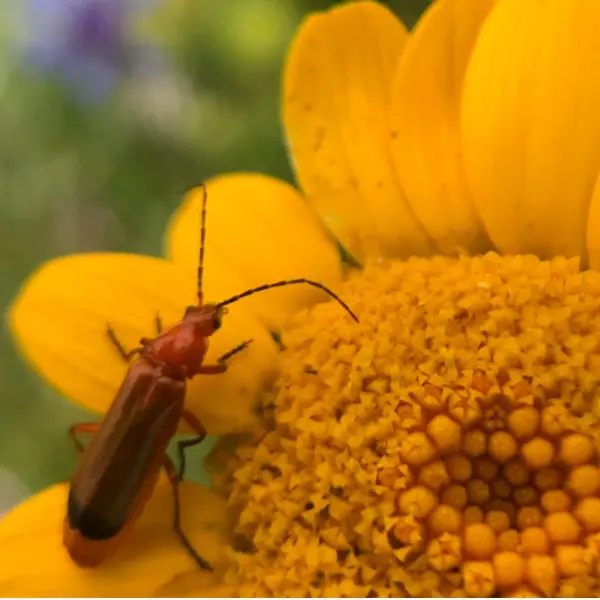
125,355
158,323
221,364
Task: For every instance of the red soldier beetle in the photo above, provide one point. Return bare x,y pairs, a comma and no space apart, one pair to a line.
120,466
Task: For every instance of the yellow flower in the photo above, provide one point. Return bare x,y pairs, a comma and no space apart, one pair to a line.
447,444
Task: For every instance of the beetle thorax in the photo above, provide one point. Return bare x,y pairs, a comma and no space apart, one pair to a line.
182,348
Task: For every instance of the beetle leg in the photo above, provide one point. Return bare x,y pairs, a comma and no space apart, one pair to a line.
159,324
221,364
212,369
172,474
234,351
112,336
195,424
75,430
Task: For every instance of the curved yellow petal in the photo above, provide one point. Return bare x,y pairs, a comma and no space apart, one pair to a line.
196,584
425,123
264,231
593,228
59,322
336,103
531,124
34,563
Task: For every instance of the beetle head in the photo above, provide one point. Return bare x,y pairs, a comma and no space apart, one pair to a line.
206,319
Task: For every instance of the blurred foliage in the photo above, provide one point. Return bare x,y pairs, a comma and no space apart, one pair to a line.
107,115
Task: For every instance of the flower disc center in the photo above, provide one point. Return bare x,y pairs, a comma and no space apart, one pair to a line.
447,444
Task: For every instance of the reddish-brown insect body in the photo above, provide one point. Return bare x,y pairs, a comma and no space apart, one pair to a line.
119,468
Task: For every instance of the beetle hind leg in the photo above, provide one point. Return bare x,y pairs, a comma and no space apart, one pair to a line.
182,446
174,479
79,428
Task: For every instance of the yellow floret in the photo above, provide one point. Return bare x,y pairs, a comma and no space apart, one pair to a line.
526,495
516,472
576,449
508,541
419,501
445,552
479,541
548,479
486,468
473,514
501,489
537,453
562,527
523,422
475,443
573,560
445,433
541,573
556,419
479,579
444,519
417,449
498,520
478,491
408,531
556,501
588,513
387,476
459,467
435,475
530,516
509,568
502,446
584,480
455,495
534,540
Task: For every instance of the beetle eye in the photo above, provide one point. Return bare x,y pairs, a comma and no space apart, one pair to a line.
216,321
189,310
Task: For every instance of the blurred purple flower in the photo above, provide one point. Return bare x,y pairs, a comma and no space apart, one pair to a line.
88,43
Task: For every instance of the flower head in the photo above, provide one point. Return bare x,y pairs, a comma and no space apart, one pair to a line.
445,445
442,446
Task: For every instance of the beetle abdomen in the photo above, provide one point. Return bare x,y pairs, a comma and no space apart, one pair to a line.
120,466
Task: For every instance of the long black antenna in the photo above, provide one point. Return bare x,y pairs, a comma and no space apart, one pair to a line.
202,240
269,286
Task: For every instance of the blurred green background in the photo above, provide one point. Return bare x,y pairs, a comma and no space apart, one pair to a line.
108,110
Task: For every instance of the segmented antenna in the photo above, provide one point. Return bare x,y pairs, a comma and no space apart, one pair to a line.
269,286
202,240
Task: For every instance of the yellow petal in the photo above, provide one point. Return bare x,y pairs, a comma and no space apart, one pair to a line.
59,323
34,563
196,584
264,231
336,104
425,123
593,228
531,123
